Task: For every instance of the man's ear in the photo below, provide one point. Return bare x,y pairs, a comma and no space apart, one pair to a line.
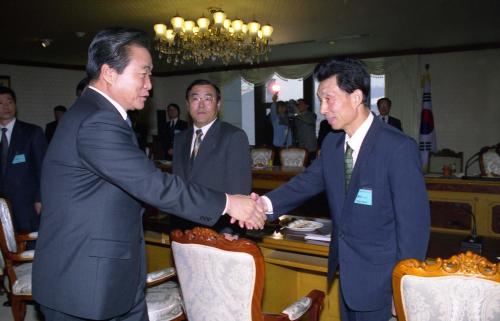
108,73
357,97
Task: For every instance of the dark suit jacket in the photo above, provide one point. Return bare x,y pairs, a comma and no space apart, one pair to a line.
168,133
50,129
90,256
367,240
395,122
223,163
21,182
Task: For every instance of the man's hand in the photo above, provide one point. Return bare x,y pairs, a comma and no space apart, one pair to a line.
246,211
260,201
275,97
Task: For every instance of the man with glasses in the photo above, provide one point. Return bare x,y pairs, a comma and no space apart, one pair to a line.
212,153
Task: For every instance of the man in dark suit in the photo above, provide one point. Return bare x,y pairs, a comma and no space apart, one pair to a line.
376,192
90,256
222,160
50,128
171,128
23,147
384,108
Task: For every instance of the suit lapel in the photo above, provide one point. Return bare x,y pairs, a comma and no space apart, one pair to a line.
363,157
208,143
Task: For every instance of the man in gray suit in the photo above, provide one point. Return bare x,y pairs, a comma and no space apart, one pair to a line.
222,161
305,124
90,256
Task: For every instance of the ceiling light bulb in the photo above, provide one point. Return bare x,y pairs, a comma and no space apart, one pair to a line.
267,31
227,23
177,23
253,28
237,24
160,29
188,26
219,17
203,23
46,42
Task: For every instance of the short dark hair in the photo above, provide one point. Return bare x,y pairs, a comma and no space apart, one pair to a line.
389,102
202,82
60,108
175,106
81,85
111,47
7,90
351,75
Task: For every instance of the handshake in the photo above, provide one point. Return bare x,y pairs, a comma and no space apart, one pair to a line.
249,211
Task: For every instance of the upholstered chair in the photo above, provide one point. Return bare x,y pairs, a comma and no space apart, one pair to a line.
18,262
489,161
163,297
223,279
464,287
293,156
262,157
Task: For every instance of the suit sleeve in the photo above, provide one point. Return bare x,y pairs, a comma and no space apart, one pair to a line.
298,190
239,164
410,202
106,147
39,147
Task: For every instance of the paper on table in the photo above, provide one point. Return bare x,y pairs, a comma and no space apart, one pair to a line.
318,237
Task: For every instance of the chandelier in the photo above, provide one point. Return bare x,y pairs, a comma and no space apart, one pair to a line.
217,39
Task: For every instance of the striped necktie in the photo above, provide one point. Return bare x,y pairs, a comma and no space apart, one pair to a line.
348,165
197,143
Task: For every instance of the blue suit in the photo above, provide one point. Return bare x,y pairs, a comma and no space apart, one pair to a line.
367,240
21,182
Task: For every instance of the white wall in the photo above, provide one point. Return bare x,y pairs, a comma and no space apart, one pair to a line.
39,90
465,97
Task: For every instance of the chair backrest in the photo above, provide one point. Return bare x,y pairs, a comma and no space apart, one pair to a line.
220,279
7,233
489,161
463,287
293,156
262,156
445,157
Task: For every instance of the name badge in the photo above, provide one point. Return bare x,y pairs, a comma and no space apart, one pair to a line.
20,158
364,197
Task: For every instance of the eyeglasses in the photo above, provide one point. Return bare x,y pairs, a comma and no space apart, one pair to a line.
206,99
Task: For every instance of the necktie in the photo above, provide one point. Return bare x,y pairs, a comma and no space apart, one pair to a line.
197,143
348,165
129,122
5,150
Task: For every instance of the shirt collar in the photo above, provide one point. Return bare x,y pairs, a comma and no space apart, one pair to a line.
359,135
10,125
118,107
205,128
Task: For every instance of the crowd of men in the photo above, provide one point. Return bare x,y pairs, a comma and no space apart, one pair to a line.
84,194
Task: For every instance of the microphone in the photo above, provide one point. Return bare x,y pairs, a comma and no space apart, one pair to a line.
473,242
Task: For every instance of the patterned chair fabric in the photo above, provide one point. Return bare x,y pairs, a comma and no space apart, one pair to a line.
489,161
209,276
164,302
17,262
295,157
262,157
465,287
223,279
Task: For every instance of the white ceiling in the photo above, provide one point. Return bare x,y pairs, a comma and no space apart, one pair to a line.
303,29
